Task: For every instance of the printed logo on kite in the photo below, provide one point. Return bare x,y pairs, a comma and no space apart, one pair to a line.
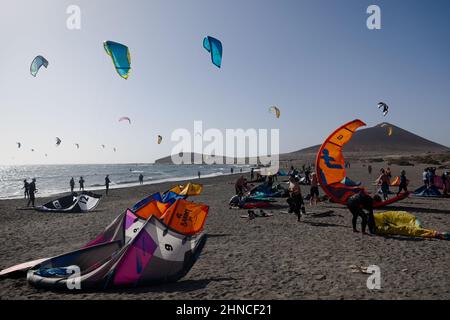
214,47
120,55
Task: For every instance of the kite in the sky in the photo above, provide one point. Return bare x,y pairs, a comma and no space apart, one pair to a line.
77,145
120,55
36,64
18,145
159,139
32,150
125,119
103,146
58,141
275,110
114,149
46,155
390,130
384,106
214,47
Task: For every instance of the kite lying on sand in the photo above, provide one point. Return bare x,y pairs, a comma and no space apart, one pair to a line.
330,166
84,202
155,243
404,224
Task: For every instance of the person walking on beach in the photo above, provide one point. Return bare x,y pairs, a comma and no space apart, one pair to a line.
389,173
231,170
383,181
314,190
31,191
26,186
141,179
198,174
72,184
357,203
425,177
252,174
403,183
295,200
81,182
107,182
369,168
444,179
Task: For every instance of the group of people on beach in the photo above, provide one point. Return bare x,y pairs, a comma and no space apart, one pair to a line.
384,182
29,191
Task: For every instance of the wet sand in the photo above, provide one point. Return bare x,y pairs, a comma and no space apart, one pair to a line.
265,258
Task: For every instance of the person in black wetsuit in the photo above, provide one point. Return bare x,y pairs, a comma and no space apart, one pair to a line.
32,190
107,182
26,187
403,183
72,185
357,204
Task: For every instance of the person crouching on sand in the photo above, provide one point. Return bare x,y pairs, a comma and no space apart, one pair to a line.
240,186
295,199
31,191
357,203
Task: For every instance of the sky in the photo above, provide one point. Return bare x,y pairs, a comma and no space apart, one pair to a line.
316,60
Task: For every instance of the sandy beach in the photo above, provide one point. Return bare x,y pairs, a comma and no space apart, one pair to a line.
265,258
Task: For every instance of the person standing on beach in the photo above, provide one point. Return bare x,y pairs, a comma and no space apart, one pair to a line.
198,174
444,179
81,182
314,190
231,170
141,179
31,191
357,204
369,168
252,174
26,187
72,184
403,183
107,182
384,182
425,177
240,186
295,199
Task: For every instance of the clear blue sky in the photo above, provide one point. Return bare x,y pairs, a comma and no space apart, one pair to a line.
316,60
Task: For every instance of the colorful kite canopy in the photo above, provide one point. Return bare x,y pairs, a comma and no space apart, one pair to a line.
330,166
190,189
214,47
125,119
275,110
36,64
58,141
384,107
159,139
120,55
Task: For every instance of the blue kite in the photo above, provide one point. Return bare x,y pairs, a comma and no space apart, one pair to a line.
213,46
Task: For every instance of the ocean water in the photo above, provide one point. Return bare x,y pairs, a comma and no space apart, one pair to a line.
52,179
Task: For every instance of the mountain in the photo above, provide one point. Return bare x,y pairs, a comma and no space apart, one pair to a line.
369,142
375,140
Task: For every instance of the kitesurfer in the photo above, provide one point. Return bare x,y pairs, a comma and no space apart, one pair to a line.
107,182
314,190
295,199
26,186
31,191
141,179
81,182
72,184
403,183
357,203
444,179
198,173
384,182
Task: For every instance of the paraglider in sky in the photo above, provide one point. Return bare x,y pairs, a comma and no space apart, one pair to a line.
275,110
384,106
77,145
18,145
36,64
103,146
213,46
330,167
120,56
125,119
58,141
159,139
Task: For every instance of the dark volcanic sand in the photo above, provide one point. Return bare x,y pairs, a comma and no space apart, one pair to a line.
266,258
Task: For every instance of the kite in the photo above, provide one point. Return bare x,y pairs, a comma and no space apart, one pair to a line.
404,224
103,146
156,243
330,167
390,130
275,110
75,203
190,189
384,106
46,155
18,145
32,150
58,141
214,47
159,139
120,55
114,149
77,145
36,64
125,118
